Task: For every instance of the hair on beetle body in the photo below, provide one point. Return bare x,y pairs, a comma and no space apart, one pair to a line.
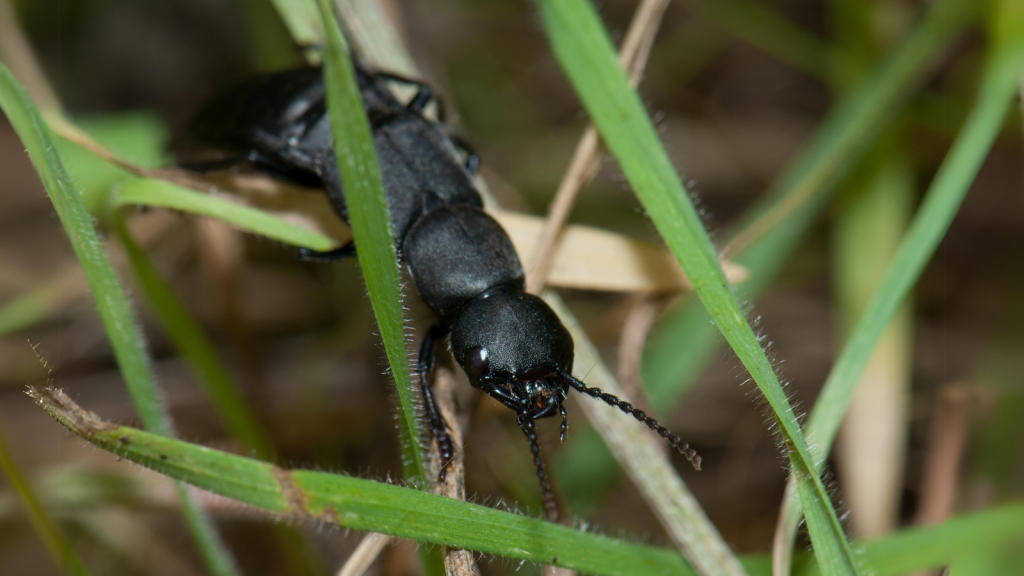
510,343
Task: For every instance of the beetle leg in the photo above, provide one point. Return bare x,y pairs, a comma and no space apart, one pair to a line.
424,94
346,251
472,162
438,426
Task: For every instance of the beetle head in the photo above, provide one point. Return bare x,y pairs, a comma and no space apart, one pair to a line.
514,347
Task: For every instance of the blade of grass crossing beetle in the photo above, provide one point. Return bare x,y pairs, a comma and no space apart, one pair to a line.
111,301
371,226
587,56
998,89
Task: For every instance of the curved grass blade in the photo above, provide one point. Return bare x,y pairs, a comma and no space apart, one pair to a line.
122,330
371,228
364,504
367,505
57,543
951,184
152,192
587,56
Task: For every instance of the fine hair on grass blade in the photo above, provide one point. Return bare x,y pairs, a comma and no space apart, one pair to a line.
582,46
365,504
995,95
111,300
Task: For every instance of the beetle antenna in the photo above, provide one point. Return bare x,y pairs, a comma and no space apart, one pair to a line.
526,425
640,415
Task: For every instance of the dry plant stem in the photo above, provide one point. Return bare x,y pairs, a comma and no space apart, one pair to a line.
364,554
456,562
946,443
645,462
585,162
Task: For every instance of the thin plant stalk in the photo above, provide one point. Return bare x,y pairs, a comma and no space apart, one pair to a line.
584,164
646,462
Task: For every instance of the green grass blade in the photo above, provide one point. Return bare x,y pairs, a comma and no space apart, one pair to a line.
366,505
61,550
28,309
151,192
997,91
672,362
846,134
111,301
192,342
371,228
918,549
683,344
588,58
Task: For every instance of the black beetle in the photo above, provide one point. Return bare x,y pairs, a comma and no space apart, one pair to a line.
510,343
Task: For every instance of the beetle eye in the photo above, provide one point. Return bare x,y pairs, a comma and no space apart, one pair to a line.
477,364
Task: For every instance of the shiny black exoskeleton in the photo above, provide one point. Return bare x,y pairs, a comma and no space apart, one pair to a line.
510,343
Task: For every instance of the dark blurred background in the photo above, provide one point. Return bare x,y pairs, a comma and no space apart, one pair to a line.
303,344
